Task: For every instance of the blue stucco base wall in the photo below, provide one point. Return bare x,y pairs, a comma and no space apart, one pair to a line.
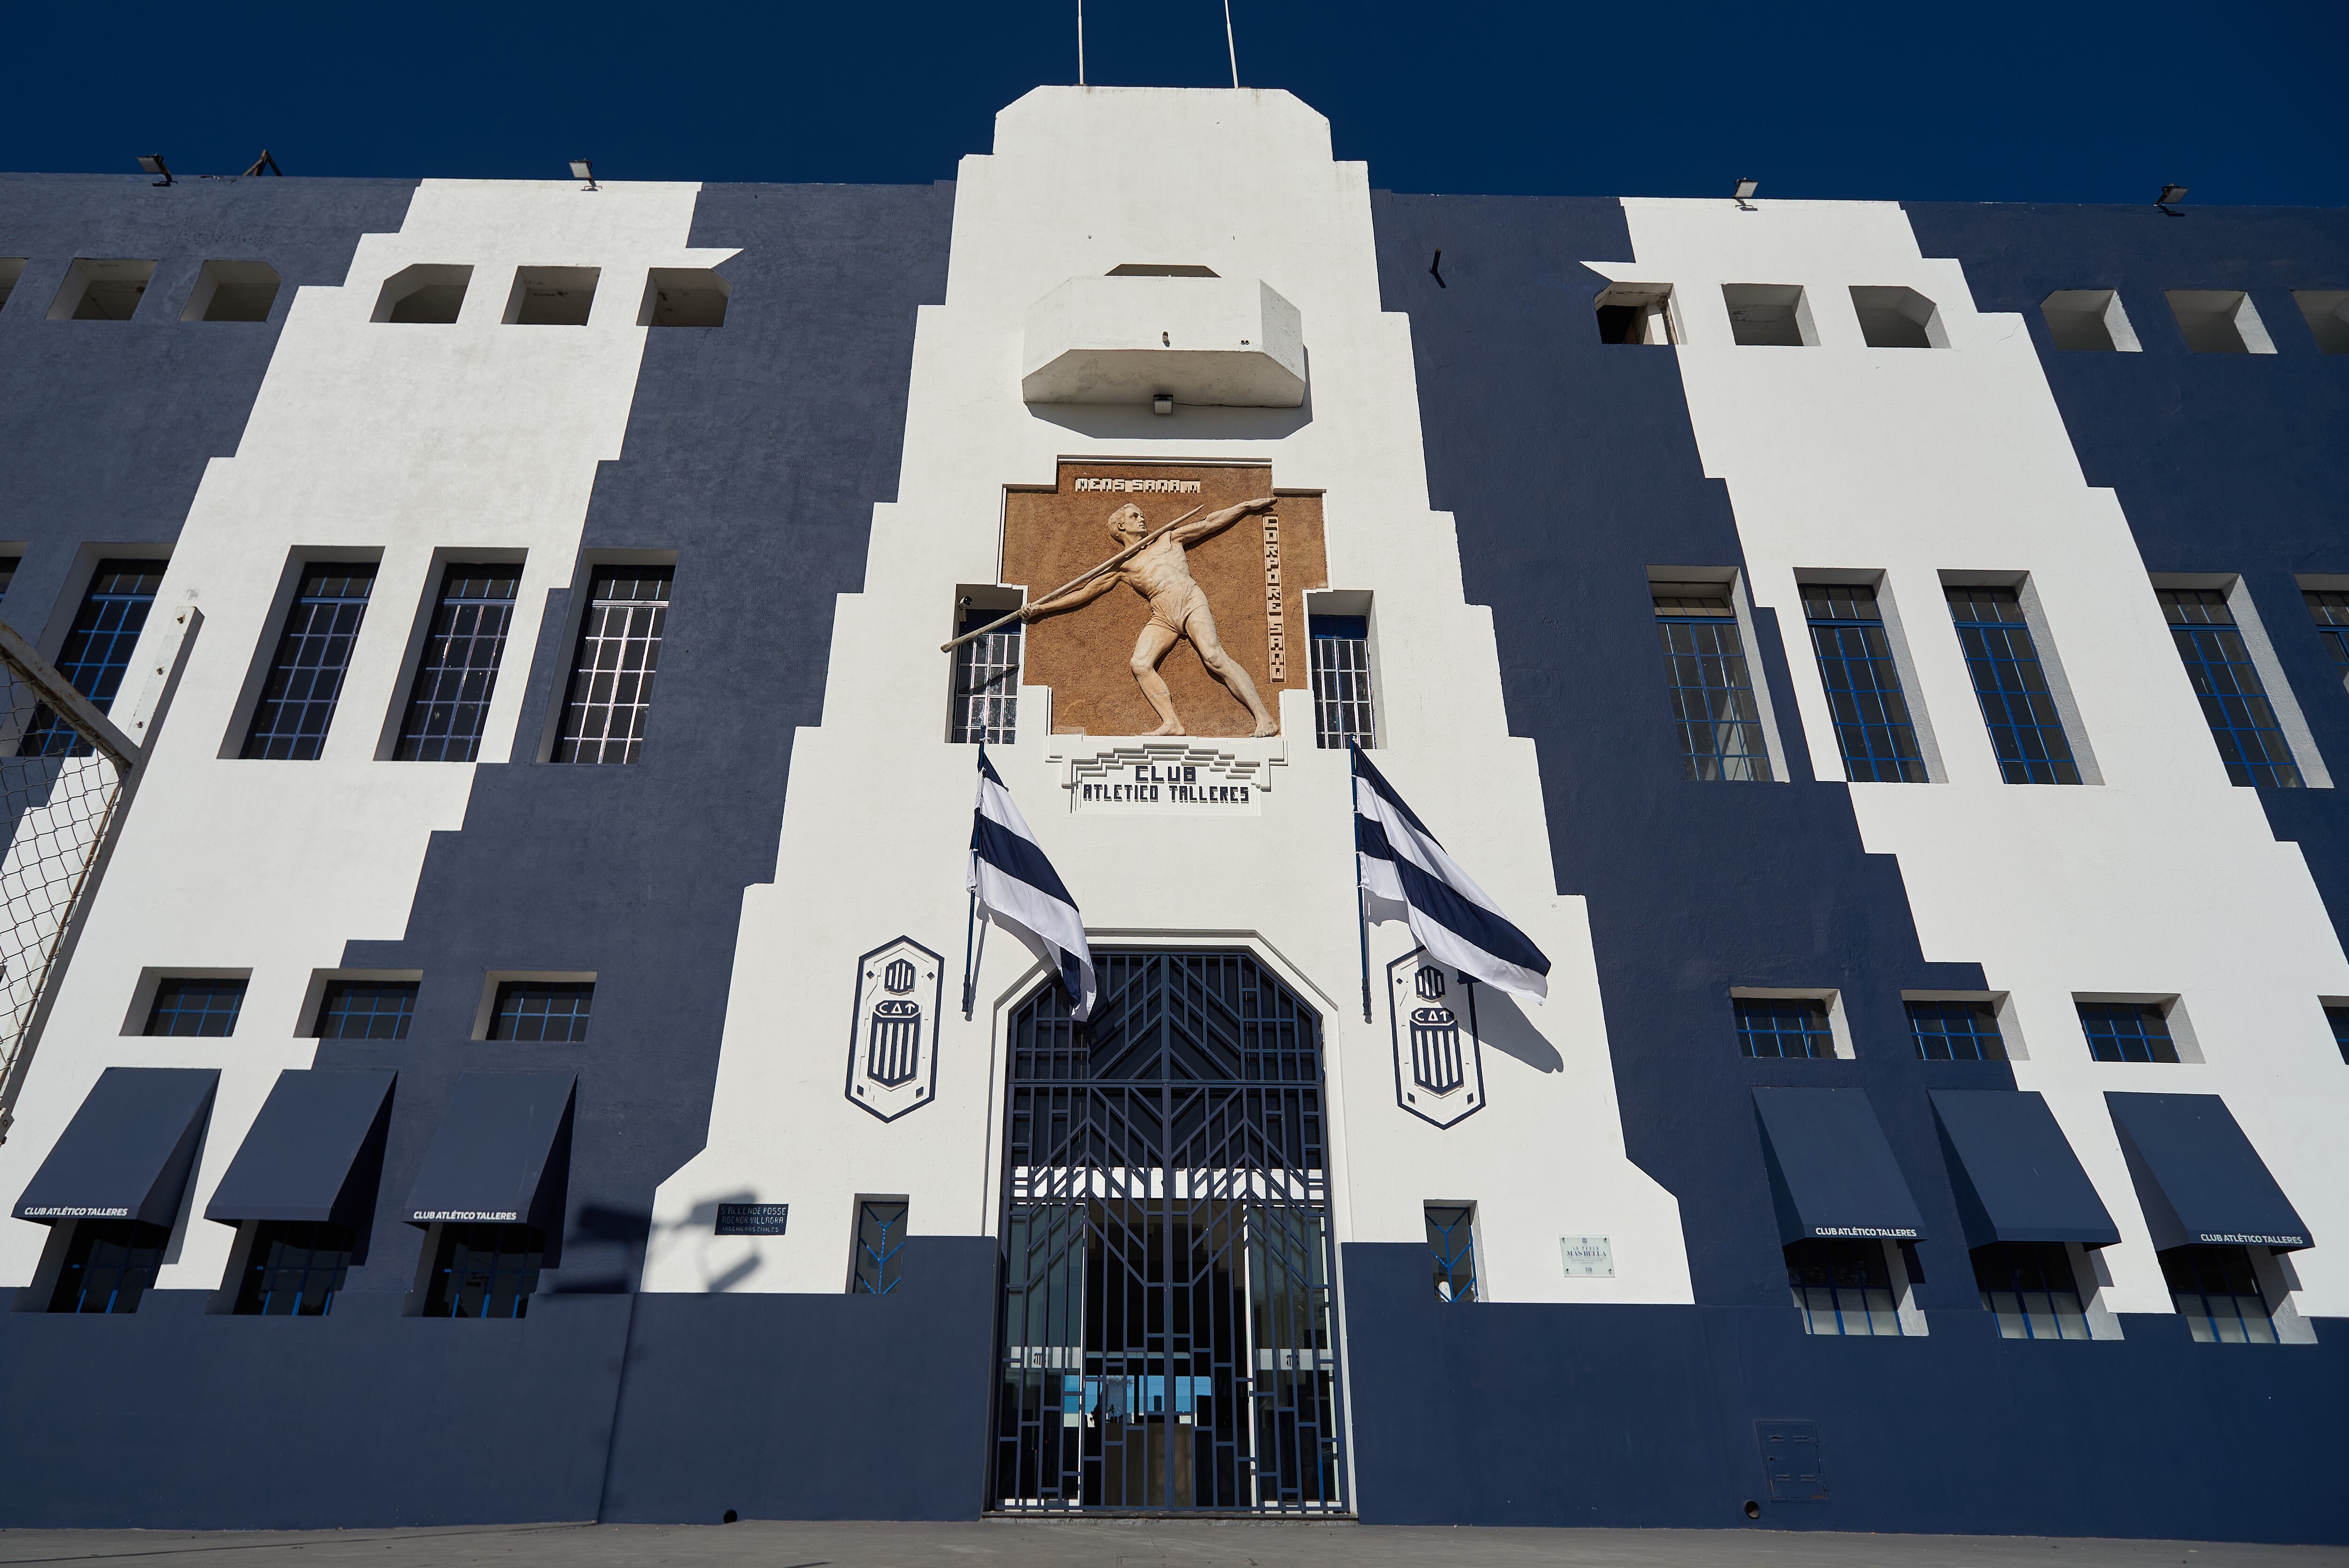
812,1406
1628,1416
173,1419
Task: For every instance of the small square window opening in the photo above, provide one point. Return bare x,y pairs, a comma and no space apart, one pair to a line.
427,295
2326,311
2127,1032
553,1012
1769,315
1898,318
2089,320
1797,1026
1451,1249
233,291
1957,1031
551,296
367,1009
194,1006
684,296
2220,321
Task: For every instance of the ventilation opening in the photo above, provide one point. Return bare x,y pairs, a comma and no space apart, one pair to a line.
102,291
427,295
233,291
2089,319
1769,315
684,296
1898,318
551,296
1161,270
2220,321
1637,313
2326,312
11,269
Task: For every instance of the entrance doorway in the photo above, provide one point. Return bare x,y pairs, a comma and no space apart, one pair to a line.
1169,1342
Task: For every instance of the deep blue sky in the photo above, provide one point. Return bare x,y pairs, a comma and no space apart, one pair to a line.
2091,102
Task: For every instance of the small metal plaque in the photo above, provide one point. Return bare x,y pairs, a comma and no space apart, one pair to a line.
1587,1257
752,1219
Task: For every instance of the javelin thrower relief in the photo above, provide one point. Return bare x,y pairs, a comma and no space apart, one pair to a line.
1160,571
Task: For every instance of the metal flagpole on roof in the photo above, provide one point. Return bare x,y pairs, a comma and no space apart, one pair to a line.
1081,43
1230,47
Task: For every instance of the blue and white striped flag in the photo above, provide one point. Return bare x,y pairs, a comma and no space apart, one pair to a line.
1401,863
1022,893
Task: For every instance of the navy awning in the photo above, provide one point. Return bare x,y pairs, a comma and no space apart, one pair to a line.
2197,1177
1831,1172
315,1151
126,1152
502,1153
2015,1175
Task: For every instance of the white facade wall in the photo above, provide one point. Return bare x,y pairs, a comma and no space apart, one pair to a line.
1083,180
2162,879
366,440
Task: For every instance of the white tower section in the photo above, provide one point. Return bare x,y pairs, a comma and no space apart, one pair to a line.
1083,180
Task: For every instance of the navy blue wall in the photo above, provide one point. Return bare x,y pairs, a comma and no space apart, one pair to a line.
1571,468
1645,1416
2223,463
106,427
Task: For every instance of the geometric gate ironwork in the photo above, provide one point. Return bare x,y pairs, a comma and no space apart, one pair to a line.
1169,1342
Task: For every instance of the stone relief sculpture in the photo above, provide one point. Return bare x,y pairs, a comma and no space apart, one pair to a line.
1161,572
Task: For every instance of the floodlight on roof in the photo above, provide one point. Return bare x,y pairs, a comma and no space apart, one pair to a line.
1745,188
2171,195
153,163
583,170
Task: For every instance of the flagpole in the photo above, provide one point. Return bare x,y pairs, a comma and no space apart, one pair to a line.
1361,905
970,919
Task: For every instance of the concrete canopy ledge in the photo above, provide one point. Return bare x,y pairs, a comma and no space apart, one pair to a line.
1231,341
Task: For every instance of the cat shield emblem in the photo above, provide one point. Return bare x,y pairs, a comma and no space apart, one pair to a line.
1439,1062
893,1036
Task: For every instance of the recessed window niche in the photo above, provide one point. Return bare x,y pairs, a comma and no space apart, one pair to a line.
233,291
1898,318
11,269
102,290
2220,321
551,296
1637,313
1769,315
684,296
2089,319
2326,311
427,295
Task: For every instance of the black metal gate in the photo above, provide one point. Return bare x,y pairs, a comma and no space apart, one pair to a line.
1169,1342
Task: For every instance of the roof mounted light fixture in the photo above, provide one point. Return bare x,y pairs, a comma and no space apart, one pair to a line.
1746,188
153,163
583,170
2171,195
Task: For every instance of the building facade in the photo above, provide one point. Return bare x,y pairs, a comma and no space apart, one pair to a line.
526,1053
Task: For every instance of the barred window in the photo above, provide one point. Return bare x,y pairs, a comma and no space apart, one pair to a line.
546,1011
612,678
2127,1032
2031,1287
1340,652
195,1006
1712,688
96,650
305,677
459,671
2227,684
367,1009
1451,1249
2017,707
108,1266
987,680
1843,1287
1784,1027
1872,724
485,1270
2218,1293
294,1269
1957,1031
2329,611
880,1237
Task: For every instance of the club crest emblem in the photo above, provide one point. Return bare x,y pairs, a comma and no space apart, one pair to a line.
893,1036
1439,1063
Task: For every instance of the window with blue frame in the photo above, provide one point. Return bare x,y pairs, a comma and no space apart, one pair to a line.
1341,654
1957,1031
2017,707
2127,1032
1712,688
1874,730
186,1004
367,1009
2227,684
2217,1291
457,674
880,1237
2031,1287
484,1271
96,650
545,1011
2329,611
305,676
1784,1027
1843,1287
108,1266
2339,1018
294,1269
1452,1248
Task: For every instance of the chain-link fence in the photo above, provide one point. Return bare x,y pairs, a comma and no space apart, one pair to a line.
62,768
